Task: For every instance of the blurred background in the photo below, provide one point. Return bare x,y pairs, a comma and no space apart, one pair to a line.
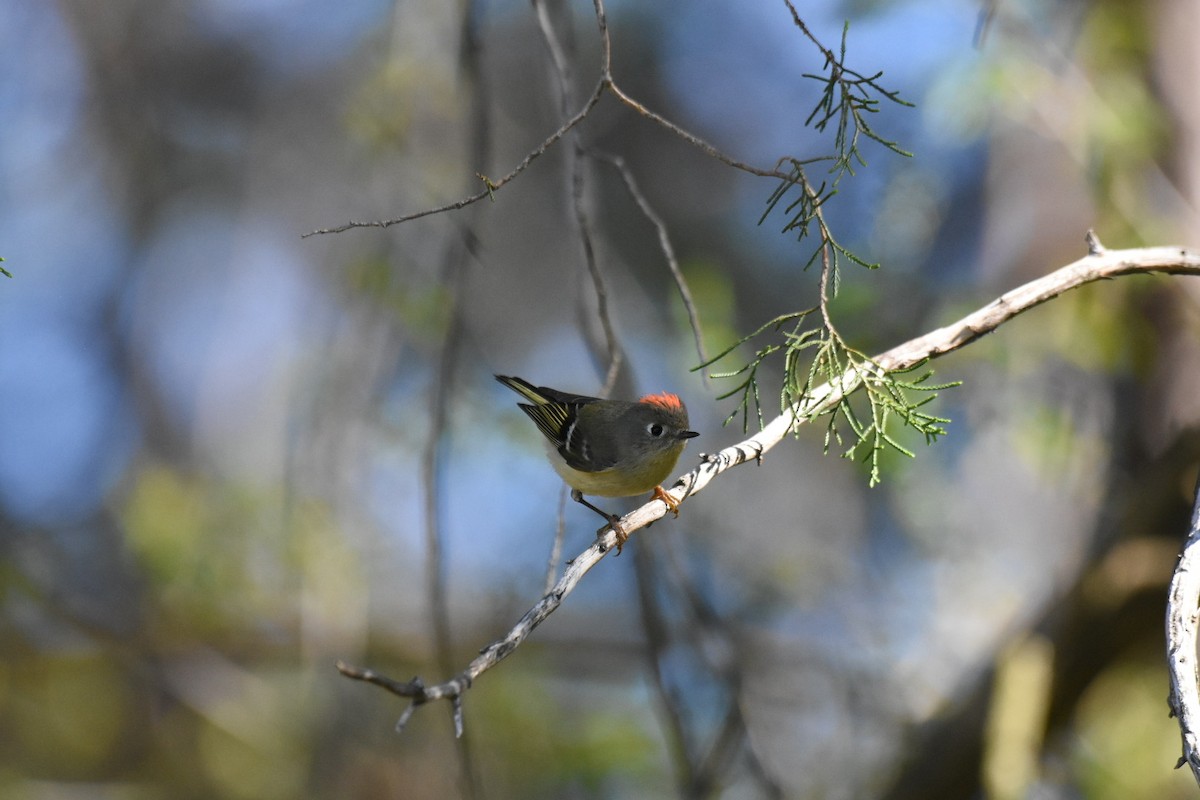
226,450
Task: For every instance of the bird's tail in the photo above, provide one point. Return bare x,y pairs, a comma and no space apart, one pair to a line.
524,388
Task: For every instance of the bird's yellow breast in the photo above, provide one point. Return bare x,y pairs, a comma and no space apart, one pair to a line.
620,480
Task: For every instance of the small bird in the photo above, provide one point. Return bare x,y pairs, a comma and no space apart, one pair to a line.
610,448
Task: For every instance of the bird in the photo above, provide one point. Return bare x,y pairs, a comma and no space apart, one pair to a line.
608,448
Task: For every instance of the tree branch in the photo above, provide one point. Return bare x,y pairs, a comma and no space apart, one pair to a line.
604,83
664,244
1099,264
495,652
489,185
1183,617
454,277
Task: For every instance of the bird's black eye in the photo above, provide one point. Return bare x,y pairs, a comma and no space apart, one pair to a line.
654,429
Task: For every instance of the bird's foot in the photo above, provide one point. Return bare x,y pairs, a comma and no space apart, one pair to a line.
614,522
670,502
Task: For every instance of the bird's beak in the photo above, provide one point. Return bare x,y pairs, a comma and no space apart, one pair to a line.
688,434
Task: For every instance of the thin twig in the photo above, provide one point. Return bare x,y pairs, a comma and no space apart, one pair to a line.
556,547
558,55
691,138
490,186
612,347
611,359
727,666
658,638
441,389
432,490
664,244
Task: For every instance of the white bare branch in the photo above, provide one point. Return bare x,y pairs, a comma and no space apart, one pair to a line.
1098,264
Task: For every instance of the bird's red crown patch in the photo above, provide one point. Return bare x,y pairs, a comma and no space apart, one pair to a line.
666,401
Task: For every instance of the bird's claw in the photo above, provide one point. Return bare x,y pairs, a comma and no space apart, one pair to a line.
614,524
670,502
622,536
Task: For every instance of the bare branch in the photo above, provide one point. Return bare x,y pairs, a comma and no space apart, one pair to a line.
714,645
604,83
692,139
1102,265
432,456
612,347
664,243
612,356
1099,264
658,639
1183,618
560,534
489,185
497,651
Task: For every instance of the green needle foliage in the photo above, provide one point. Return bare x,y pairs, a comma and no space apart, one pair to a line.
846,98
5,272
748,388
890,397
812,350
